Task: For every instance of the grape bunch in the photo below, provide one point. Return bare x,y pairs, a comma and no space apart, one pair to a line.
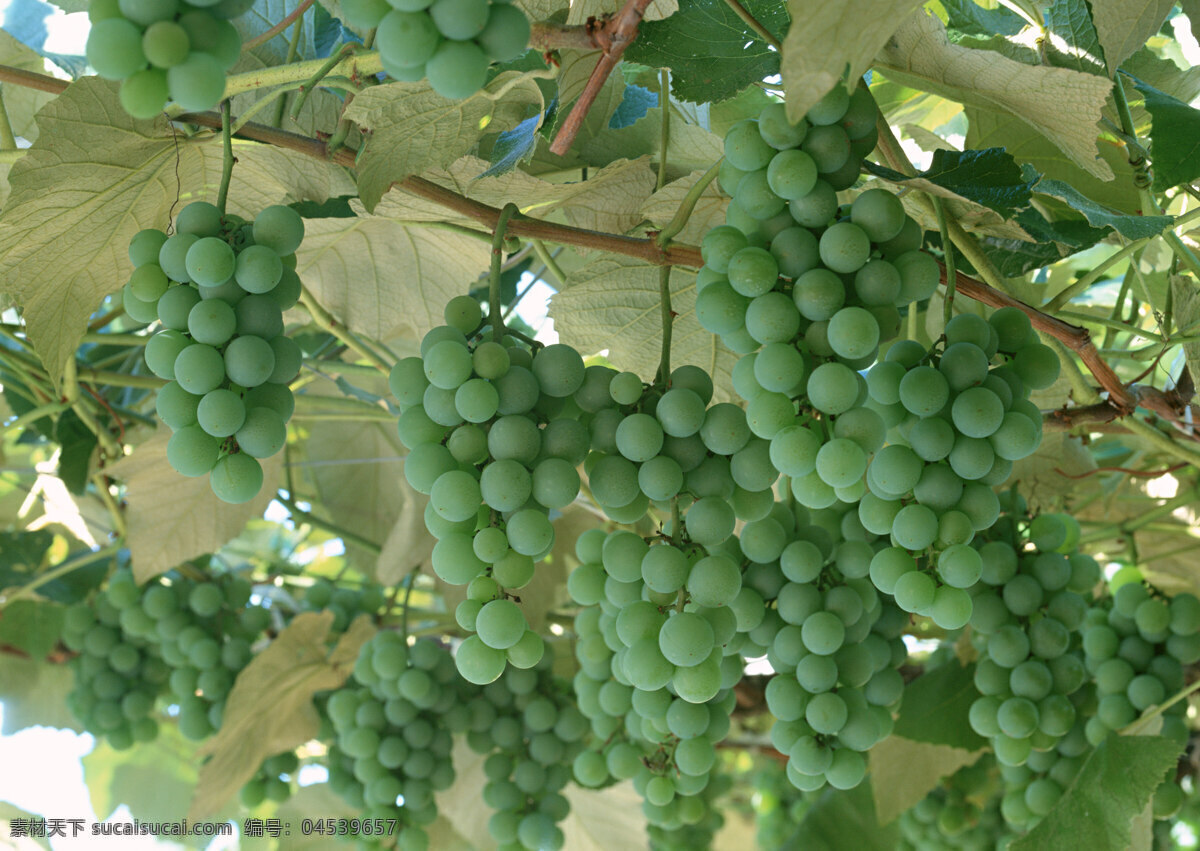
164,51
701,832
452,43
219,287
181,640
957,426
393,729
1136,644
529,727
1030,791
1028,610
961,814
493,442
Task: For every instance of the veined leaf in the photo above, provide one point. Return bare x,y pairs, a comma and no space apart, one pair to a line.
903,772
1123,26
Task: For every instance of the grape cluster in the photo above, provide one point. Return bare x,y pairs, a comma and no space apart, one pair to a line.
219,287
699,833
165,50
528,725
1031,790
962,814
393,729
493,442
450,42
1028,610
957,425
175,638
272,782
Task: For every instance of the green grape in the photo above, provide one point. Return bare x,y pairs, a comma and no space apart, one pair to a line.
559,370
832,388
879,213
952,608
459,19
877,283
457,69
263,433
844,247
506,34
288,358
1017,717
777,131
853,333
165,43
829,147
686,639
258,316
276,397
841,462
977,412
144,93
772,318
698,683
753,271
744,146
145,246
755,199
664,569
823,633
500,624
280,229
915,592
249,361
710,520
365,14
556,483
778,367
795,250
896,470
175,406
791,174
172,257
221,413
191,451
476,400
714,580
211,322
971,458
505,485
1037,365
162,352
530,532
818,294
680,412
455,496
960,566
407,381
175,306
258,269
639,437
210,261
719,246
817,208
219,38
454,559
477,662
1012,327
114,48
197,83
199,368
915,527
721,310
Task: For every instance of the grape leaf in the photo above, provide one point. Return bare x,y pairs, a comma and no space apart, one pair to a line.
1040,477
969,18
604,819
1123,26
381,277
613,303
612,200
1174,138
709,212
1071,21
21,103
154,780
989,177
936,706
903,772
270,708
409,128
32,626
689,147
1061,104
34,694
582,10
171,518
843,821
711,52
1096,810
1130,227
832,43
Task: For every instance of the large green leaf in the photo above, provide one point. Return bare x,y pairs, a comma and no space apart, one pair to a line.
709,211
613,303
410,128
1174,138
1077,45
1061,104
270,708
155,780
1123,26
903,772
32,626
989,177
1130,227
936,706
21,103
1114,785
34,693
844,821
689,147
171,518
832,43
711,52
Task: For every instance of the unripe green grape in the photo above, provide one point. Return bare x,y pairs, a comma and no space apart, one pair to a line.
559,370
832,388
791,174
114,48
952,608
720,309
477,662
919,276
288,358
198,82
853,333
221,413
211,322
172,256
828,146
817,208
500,624
719,246
506,34
463,312
144,93
210,261
530,532
280,229
192,452
258,269
407,381
818,294
165,43
977,412
217,37
364,14
175,406
744,146
145,246
915,592
844,247
459,19
457,69
710,520
714,580
795,250
777,131
249,361
277,397
263,433
879,213
753,271
924,391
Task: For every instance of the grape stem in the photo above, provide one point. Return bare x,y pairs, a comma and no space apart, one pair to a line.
61,570
292,16
325,321
495,303
686,206
668,320
228,160
951,269
8,140
321,73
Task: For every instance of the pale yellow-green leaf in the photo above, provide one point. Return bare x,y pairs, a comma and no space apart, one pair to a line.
1123,26
460,804
409,128
154,780
21,103
581,10
974,217
613,303
305,802
1187,315
1040,477
689,147
540,10
270,708
602,820
1061,104
709,211
573,75
34,693
904,771
171,518
99,176
378,276
355,470
610,202
927,139
826,38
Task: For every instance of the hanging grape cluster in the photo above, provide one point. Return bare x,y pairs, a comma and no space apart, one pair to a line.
218,286
165,51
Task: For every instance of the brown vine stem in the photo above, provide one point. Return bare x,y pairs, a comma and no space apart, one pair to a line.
546,37
292,17
617,35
